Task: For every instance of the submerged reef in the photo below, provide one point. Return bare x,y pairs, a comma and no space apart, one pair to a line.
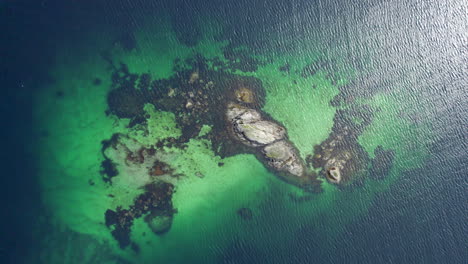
196,96
155,203
205,93
340,158
245,213
140,164
382,163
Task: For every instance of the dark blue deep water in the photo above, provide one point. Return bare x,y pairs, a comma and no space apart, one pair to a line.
422,218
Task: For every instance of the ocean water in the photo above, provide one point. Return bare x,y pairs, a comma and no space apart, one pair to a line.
105,98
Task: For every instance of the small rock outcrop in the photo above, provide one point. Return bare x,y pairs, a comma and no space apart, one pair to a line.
282,156
268,140
249,127
340,158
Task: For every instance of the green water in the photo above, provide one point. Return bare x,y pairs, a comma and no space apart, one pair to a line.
206,222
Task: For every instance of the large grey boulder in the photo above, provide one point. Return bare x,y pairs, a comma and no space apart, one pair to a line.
249,127
268,140
282,156
260,132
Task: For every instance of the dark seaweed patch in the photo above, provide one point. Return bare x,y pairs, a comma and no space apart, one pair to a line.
312,68
156,200
108,167
382,163
342,150
245,213
285,68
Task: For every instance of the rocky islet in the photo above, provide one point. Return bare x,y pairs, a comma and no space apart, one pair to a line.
232,106
269,140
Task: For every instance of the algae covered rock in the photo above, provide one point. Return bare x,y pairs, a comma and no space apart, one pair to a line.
159,224
244,95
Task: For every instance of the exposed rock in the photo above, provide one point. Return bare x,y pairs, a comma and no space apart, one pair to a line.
246,91
244,95
334,174
194,77
283,157
171,92
189,104
248,127
259,133
277,153
238,112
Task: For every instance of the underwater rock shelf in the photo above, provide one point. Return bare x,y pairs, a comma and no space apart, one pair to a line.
155,203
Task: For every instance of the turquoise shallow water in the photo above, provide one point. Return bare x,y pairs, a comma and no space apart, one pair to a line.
123,96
